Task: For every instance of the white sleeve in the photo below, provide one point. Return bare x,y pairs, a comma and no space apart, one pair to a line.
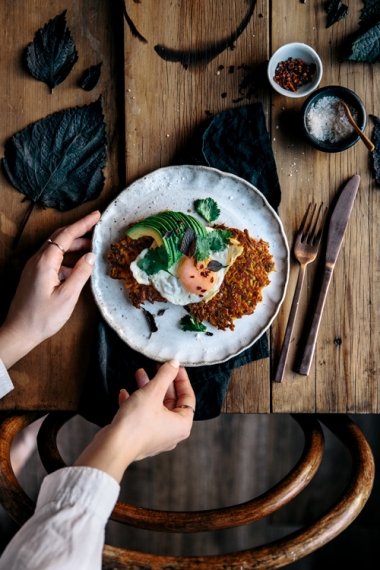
5,382
67,528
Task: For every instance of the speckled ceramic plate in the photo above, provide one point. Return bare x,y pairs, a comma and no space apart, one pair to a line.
242,206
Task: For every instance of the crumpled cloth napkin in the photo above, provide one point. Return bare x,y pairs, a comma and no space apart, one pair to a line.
235,141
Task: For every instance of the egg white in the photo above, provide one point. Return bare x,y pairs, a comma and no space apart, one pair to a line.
169,286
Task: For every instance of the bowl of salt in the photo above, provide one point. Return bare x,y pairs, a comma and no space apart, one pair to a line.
324,120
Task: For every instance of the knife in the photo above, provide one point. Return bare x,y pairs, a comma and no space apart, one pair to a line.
337,227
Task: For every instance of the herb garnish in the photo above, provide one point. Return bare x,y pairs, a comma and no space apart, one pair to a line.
57,162
155,260
187,240
207,208
51,55
188,323
90,77
214,265
150,320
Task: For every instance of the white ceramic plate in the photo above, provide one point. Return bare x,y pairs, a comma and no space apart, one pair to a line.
242,206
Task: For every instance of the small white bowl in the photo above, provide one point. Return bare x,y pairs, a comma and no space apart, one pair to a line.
295,50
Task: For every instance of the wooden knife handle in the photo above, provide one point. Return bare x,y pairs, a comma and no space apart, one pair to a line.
308,353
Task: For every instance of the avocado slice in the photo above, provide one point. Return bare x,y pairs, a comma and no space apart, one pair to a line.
158,225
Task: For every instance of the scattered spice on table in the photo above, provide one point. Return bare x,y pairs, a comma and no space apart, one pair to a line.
292,73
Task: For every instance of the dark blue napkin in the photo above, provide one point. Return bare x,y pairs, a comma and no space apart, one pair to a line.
235,141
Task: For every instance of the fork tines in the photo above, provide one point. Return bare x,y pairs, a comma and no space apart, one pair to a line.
311,223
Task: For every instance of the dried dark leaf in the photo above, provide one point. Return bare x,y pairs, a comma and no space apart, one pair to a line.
336,11
370,13
90,77
161,312
376,152
214,265
57,162
51,55
168,234
187,240
150,320
367,46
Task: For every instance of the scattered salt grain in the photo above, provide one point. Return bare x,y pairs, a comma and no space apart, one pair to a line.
327,120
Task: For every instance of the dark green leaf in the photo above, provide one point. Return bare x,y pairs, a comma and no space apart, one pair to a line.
187,241
376,152
52,54
336,11
370,14
214,265
57,162
155,260
150,320
207,208
90,77
188,323
219,239
367,46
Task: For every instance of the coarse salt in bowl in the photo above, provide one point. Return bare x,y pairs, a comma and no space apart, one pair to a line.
324,122
295,50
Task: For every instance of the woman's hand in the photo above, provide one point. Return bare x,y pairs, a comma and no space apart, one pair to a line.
48,291
148,422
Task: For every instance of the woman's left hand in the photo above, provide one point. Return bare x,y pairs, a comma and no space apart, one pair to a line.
48,291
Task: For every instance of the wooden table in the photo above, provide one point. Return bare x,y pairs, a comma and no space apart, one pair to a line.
162,104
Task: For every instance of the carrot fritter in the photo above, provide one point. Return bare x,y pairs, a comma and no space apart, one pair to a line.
121,256
239,293
241,289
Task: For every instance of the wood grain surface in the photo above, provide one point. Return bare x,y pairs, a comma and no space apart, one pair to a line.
164,75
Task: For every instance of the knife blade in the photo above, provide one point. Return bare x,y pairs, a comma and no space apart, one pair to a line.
336,230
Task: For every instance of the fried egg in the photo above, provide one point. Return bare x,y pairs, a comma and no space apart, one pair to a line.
188,281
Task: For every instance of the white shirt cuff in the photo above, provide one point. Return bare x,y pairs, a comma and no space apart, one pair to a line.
90,488
5,382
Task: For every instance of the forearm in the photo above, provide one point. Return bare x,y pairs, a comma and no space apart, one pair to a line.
67,529
13,347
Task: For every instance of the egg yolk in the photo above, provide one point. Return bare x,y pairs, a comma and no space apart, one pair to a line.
195,278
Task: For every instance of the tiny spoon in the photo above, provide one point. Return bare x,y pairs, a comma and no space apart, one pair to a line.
369,144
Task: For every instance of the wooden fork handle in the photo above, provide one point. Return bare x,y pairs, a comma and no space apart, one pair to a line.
289,328
308,353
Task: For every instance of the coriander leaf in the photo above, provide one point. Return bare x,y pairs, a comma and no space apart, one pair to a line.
202,251
207,208
188,323
51,55
219,239
155,260
90,77
367,46
57,162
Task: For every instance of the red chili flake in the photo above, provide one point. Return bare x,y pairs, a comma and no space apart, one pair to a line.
293,73
203,291
212,280
205,273
199,288
200,295
192,276
201,266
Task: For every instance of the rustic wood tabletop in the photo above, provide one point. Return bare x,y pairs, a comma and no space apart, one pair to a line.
165,71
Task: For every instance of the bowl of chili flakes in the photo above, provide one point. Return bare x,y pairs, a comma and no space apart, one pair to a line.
295,70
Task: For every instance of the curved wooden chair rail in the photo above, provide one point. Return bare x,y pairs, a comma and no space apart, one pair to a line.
272,555
199,521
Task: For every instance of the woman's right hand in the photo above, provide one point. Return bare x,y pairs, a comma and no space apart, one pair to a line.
149,421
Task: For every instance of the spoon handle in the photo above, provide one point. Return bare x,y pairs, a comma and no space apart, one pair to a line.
368,143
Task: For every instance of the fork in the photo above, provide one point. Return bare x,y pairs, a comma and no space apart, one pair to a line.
305,251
